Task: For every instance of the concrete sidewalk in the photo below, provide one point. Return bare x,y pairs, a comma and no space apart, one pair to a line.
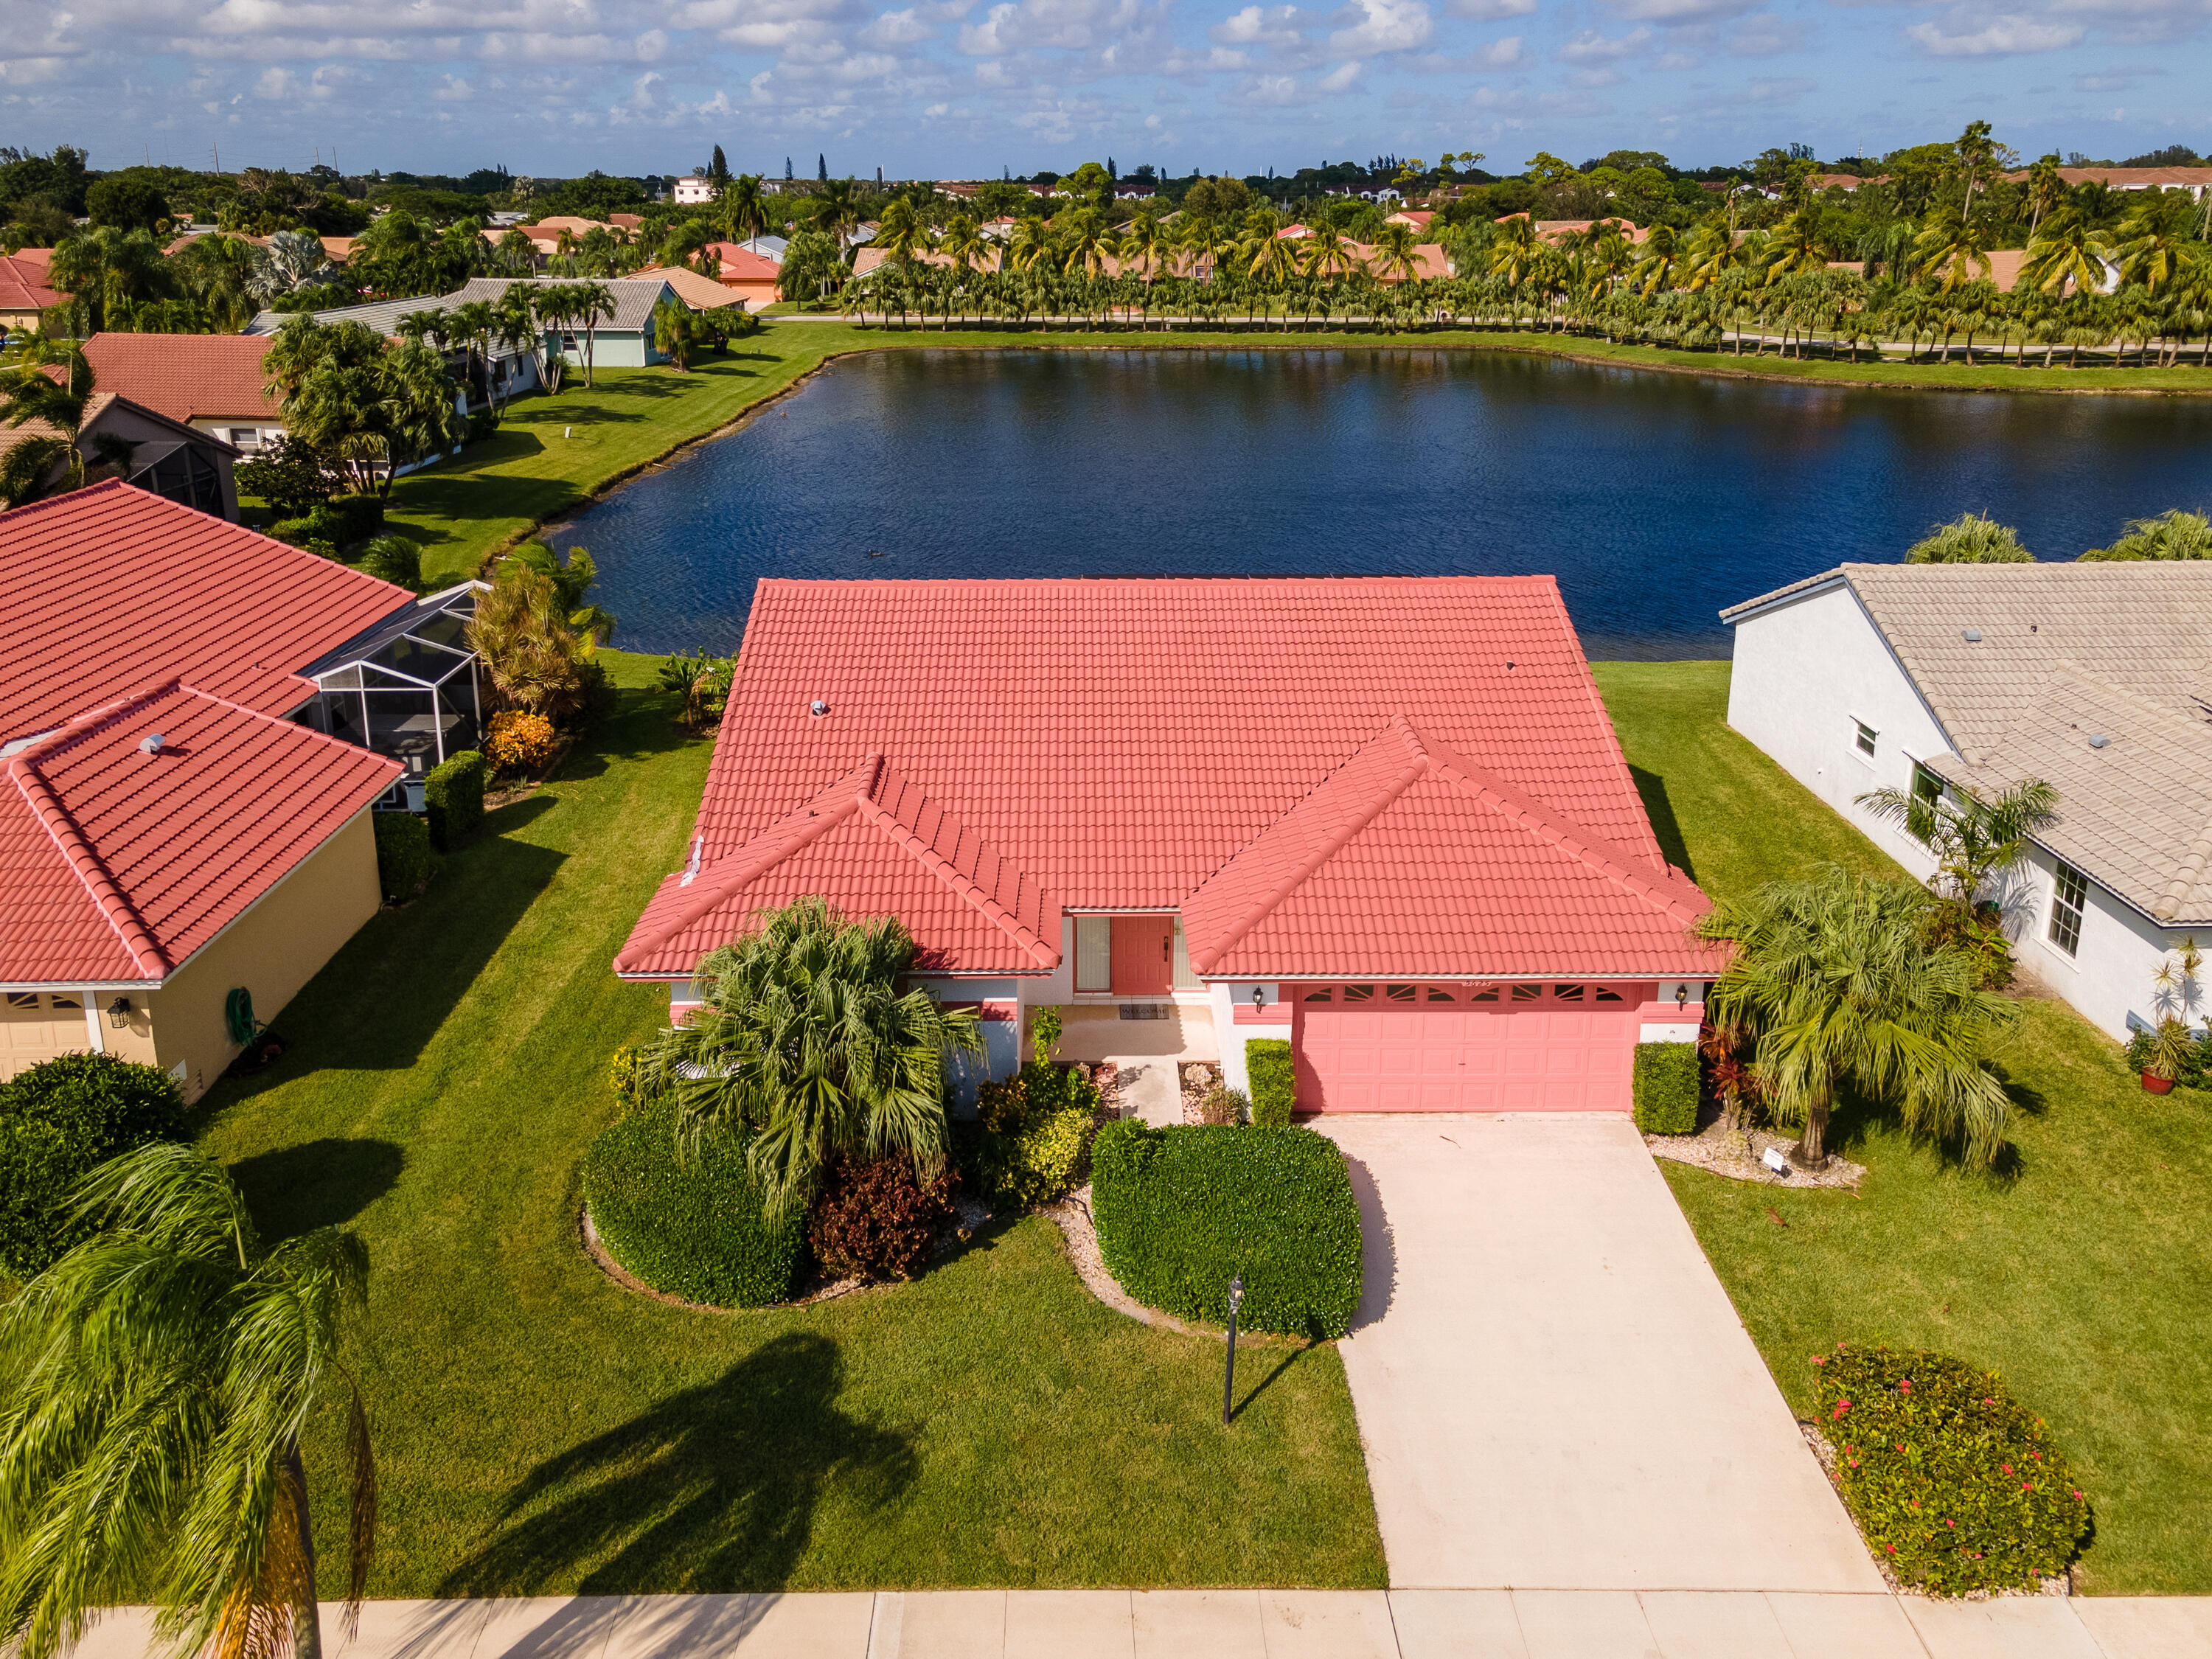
1247,1624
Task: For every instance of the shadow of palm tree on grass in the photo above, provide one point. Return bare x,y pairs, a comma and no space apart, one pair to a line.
712,1489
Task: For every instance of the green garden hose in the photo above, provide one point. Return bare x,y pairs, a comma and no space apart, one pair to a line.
238,1014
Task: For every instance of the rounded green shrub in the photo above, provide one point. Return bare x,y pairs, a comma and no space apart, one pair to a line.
1664,1088
452,798
1956,1486
1032,1129
1181,1211
689,1220
59,1120
404,858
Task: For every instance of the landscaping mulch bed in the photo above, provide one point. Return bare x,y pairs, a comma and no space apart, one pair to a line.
1737,1157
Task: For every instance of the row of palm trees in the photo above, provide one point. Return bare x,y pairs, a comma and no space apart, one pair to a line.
1834,313
521,318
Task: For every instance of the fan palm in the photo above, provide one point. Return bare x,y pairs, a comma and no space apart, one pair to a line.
806,1043
1837,986
158,1378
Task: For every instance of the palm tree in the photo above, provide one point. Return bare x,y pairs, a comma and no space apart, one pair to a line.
1395,258
2174,534
1973,838
513,326
160,1377
1514,250
1954,251
1970,539
2155,242
1655,268
1798,244
1837,986
2067,250
593,300
744,211
835,210
1323,254
57,405
1274,263
2046,190
471,325
807,1042
521,631
1031,243
899,234
1887,250
1086,242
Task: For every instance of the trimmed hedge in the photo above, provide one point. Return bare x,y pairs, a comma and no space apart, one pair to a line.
1031,1132
59,1120
404,857
1955,1485
1665,1088
689,1221
453,796
1181,1210
1274,1081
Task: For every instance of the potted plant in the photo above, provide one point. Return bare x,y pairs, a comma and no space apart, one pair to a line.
2162,1053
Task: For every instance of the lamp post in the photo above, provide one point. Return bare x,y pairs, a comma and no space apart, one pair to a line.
1228,1375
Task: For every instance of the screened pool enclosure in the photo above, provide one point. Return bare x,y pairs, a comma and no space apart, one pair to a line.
410,687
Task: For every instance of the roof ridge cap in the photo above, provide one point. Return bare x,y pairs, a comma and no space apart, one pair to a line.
1417,761
770,847
1661,885
942,869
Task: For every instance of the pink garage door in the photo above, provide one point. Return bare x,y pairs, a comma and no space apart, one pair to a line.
1421,1047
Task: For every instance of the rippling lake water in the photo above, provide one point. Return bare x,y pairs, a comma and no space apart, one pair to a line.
1654,498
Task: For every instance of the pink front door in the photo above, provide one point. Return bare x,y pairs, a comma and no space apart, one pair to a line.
1144,955
1466,1048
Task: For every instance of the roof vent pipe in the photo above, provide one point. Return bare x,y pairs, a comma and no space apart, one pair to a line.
151,744
2097,740
1974,636
817,708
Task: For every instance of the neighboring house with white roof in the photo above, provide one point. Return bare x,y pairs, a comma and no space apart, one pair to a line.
2094,678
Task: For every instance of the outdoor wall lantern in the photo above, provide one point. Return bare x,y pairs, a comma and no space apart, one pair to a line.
118,1012
1682,997
1259,996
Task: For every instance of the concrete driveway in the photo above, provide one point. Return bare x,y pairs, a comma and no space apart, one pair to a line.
1553,1390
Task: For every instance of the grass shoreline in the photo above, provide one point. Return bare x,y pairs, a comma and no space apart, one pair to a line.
536,480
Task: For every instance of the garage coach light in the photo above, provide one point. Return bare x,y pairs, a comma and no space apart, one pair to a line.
1259,996
118,1012
1682,997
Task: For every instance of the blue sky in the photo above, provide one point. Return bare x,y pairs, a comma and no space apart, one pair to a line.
940,88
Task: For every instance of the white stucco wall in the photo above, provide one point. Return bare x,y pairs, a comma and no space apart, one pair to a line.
1227,996
1803,672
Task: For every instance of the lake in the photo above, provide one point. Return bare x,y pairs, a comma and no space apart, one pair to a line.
1654,498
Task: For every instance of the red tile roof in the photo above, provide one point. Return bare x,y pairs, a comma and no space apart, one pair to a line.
186,376
116,864
108,590
25,283
1350,774
741,263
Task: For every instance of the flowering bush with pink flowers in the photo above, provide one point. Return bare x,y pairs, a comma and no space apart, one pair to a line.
1955,1485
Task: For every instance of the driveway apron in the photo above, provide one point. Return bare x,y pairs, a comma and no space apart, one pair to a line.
1553,1390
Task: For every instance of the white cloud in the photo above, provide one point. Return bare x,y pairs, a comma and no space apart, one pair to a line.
1591,47
277,84
453,90
1256,25
1023,25
1340,79
1381,26
1998,35
896,28
1596,77
1492,11
1672,13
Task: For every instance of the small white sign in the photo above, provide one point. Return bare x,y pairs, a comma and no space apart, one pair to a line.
1773,1159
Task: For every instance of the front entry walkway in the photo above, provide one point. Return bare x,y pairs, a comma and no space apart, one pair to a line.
1553,1390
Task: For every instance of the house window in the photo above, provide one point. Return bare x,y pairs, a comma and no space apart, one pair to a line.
1399,993
1359,993
22,998
1437,994
1527,992
1320,996
2070,896
1927,790
1094,953
1863,736
1487,993
60,1003
1604,995
1568,993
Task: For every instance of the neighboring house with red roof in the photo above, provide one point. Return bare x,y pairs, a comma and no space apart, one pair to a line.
177,824
1418,218
214,383
1553,230
2194,180
26,287
1385,820
120,438
751,276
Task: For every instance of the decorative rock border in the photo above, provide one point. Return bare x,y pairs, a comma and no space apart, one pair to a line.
1710,1150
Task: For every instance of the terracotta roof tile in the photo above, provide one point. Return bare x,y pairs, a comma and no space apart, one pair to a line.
1118,743
186,376
116,864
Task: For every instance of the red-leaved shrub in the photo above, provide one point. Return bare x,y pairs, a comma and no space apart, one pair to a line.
875,1220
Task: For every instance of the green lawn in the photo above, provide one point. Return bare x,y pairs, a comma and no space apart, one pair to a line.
540,1429
2079,1275
552,454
